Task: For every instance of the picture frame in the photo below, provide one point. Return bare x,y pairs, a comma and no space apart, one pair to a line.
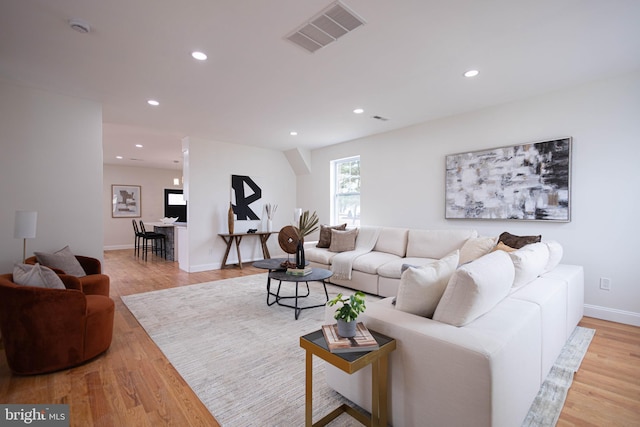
126,201
526,182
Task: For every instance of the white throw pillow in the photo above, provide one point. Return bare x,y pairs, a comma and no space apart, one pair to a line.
555,255
421,288
63,260
36,275
476,247
475,288
529,261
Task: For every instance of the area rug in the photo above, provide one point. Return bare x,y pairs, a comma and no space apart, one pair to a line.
243,358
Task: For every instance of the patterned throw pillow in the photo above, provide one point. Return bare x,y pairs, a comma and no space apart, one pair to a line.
325,234
36,275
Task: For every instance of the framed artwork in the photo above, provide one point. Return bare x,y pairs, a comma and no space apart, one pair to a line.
246,198
125,200
529,182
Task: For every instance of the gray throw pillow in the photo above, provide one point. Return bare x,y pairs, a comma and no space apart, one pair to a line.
342,241
63,260
36,275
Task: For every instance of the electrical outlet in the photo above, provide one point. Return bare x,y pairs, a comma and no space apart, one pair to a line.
605,284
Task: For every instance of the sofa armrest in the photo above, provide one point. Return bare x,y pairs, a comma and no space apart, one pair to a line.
436,367
70,282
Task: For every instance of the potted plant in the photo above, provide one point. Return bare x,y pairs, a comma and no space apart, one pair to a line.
347,314
307,224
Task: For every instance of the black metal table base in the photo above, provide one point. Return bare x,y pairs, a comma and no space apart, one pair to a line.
295,297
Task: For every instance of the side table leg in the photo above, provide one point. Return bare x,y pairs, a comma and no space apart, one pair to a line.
229,242
308,406
375,394
238,240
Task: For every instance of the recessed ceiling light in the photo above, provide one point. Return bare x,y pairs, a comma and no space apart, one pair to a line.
139,145
358,111
471,73
293,133
200,56
153,102
119,157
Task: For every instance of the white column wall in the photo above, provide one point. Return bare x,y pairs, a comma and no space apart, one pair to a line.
211,165
51,162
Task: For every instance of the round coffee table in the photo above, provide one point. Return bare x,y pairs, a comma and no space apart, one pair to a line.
316,275
272,264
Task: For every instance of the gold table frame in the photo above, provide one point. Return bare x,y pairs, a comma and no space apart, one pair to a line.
315,344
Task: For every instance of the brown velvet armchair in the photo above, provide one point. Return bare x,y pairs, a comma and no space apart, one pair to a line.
45,330
94,283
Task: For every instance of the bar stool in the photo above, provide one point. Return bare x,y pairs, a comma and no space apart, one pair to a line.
138,235
155,238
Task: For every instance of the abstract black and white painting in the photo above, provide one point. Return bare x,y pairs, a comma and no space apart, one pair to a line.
530,182
246,198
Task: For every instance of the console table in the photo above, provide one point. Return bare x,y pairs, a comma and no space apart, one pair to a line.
236,238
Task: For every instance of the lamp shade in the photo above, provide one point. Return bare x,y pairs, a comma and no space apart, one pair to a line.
25,225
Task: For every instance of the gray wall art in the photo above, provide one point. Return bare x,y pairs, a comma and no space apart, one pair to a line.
530,182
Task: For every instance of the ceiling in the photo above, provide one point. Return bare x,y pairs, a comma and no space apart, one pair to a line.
405,64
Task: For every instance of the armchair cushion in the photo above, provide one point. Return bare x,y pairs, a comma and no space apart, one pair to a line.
36,275
63,260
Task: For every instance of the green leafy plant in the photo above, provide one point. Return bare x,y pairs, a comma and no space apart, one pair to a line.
351,306
308,224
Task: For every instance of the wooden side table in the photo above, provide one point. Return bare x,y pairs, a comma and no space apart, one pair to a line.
236,238
315,344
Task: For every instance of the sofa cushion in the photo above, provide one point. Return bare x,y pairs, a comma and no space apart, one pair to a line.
393,269
324,241
63,260
36,275
436,244
393,241
475,288
555,255
342,241
517,241
421,288
370,262
529,262
475,247
319,255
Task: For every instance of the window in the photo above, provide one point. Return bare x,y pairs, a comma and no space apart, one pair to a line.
345,174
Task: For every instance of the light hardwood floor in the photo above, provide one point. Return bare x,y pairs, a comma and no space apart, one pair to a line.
133,384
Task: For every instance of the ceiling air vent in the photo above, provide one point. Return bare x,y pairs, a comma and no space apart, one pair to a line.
326,27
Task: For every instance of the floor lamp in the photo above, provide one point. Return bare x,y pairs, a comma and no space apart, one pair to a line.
25,228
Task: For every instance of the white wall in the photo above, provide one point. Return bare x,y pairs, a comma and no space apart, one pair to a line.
51,162
118,232
403,179
211,165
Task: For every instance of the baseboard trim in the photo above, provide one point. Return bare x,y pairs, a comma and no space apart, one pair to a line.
612,314
117,247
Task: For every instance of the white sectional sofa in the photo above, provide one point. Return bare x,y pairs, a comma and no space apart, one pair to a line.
498,326
378,271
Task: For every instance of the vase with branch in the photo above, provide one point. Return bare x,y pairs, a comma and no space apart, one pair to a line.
307,224
271,210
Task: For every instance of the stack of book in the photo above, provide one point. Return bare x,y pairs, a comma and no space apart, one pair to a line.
299,271
363,341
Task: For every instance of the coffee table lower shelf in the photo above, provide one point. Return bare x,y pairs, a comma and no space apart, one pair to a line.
315,344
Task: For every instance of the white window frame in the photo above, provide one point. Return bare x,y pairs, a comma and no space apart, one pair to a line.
337,217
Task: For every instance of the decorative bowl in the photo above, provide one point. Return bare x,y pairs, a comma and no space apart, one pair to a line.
169,220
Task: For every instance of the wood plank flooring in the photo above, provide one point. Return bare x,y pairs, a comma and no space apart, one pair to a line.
133,384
